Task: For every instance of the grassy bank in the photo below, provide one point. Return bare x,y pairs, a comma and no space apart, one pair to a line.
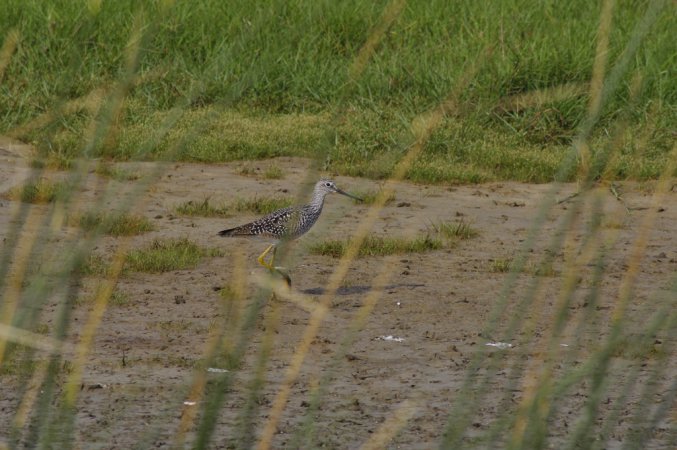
243,82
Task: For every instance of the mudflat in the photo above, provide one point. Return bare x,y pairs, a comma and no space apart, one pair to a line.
443,327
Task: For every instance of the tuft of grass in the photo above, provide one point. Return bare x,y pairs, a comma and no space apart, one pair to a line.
42,328
41,191
500,265
119,298
95,265
53,160
247,170
17,363
273,173
257,205
169,254
173,325
542,270
455,230
202,209
114,224
261,205
108,170
369,197
379,246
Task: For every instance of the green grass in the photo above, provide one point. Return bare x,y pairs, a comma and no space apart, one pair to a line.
114,224
369,197
282,101
503,265
16,363
261,205
500,265
202,209
117,299
108,170
379,246
257,205
53,160
167,255
455,230
42,328
441,235
41,191
273,173
95,265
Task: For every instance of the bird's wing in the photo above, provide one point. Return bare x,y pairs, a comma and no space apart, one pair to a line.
273,224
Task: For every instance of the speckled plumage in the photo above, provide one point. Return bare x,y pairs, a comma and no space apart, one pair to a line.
291,222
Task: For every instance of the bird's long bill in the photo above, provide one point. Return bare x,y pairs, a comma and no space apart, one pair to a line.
339,191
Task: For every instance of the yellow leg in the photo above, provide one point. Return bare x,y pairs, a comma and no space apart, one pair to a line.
269,265
262,261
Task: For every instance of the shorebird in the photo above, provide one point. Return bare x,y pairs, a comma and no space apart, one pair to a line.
287,223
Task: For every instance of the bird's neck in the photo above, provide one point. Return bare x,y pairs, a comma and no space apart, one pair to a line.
318,200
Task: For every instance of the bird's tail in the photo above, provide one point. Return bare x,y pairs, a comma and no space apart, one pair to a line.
237,231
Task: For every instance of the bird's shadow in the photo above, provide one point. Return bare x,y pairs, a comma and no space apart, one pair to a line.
351,290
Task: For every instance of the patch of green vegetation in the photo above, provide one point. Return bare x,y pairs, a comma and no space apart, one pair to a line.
42,328
202,209
225,136
261,205
41,191
379,246
501,265
173,325
110,171
114,224
273,173
542,270
119,299
53,160
17,362
247,170
455,230
515,120
369,197
257,205
169,254
95,265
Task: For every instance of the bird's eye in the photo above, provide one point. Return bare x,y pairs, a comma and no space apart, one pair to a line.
328,184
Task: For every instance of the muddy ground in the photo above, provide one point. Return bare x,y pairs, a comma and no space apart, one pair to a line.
419,345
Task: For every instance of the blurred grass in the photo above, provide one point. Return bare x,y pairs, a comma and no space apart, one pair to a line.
107,170
455,230
40,191
513,122
114,224
257,205
202,209
273,173
370,197
167,255
261,205
378,246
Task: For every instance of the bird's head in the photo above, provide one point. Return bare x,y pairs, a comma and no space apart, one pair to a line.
328,186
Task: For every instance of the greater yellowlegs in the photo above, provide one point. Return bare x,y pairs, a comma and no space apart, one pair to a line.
287,223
